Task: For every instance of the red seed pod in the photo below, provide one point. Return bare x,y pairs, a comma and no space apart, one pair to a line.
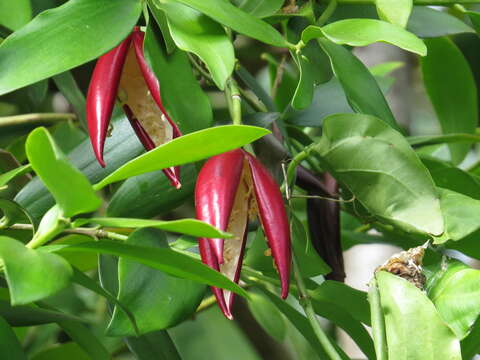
231,188
124,74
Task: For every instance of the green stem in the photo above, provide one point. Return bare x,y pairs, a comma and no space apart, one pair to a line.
312,317
291,170
327,13
378,324
26,119
234,102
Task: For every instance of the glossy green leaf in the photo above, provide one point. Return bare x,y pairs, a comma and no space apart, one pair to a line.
301,323
459,212
361,89
122,146
191,227
451,88
187,148
71,190
227,14
304,92
455,294
195,32
81,261
394,11
49,45
45,274
260,8
378,322
475,19
426,22
29,315
151,194
9,343
68,350
157,300
362,32
166,260
385,175
267,315
174,72
156,345
414,327
15,14
9,175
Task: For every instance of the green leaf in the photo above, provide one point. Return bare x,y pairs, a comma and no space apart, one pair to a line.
68,87
470,345
191,227
166,260
378,322
151,295
414,327
32,274
195,32
10,344
362,32
394,11
424,140
267,315
68,350
9,175
185,149
174,72
459,213
15,14
52,224
227,14
451,88
361,89
151,194
304,92
71,189
81,261
426,22
260,8
49,45
475,19
13,213
382,171
251,82
122,146
455,294
156,345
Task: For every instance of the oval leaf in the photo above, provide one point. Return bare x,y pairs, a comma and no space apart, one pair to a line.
45,274
71,189
413,325
379,167
452,90
187,148
49,45
194,32
394,11
151,295
362,32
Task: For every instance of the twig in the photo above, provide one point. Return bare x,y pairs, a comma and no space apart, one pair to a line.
36,117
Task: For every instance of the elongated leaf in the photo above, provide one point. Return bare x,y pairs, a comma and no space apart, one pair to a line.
187,148
227,14
454,293
15,14
362,32
267,315
414,327
376,163
122,146
151,194
68,86
424,140
68,350
426,22
49,45
394,11
191,227
6,177
156,345
361,89
304,92
378,323
195,32
191,112
166,260
32,274
10,344
71,190
157,300
260,8
451,88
